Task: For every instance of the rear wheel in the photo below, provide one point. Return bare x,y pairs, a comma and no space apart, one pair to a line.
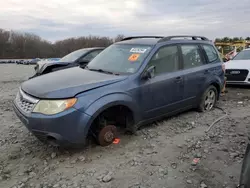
208,99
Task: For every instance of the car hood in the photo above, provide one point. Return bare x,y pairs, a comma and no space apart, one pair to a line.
67,83
41,63
238,64
44,64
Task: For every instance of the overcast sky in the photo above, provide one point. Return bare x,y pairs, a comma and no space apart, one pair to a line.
59,19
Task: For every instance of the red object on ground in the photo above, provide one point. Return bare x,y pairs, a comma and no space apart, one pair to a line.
116,141
196,160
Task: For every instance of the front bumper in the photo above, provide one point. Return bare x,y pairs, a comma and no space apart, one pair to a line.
238,77
66,128
238,83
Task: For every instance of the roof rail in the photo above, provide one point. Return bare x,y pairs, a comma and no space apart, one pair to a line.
183,36
138,37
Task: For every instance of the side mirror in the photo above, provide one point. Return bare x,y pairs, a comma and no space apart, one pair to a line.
149,73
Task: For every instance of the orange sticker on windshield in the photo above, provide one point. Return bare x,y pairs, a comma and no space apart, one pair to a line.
134,57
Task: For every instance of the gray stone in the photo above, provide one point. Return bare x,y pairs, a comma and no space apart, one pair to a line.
107,178
89,186
56,185
53,155
203,185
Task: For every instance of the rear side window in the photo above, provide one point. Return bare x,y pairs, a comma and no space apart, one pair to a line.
211,53
191,56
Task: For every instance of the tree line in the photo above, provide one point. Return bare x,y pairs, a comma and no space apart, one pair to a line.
234,39
27,45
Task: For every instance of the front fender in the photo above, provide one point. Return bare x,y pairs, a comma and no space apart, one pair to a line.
103,103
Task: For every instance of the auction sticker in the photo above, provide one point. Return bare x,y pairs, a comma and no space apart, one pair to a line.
134,57
138,50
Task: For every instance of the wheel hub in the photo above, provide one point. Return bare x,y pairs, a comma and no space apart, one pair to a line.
107,135
210,100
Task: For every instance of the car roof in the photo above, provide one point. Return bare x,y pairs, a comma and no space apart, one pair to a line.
142,41
152,40
93,48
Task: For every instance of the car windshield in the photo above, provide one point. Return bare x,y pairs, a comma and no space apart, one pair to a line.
243,55
73,56
120,58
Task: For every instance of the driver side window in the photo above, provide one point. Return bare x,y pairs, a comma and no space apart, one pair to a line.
90,56
165,60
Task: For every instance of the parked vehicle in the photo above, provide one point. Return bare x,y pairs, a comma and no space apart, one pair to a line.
76,58
238,69
132,82
31,61
245,169
54,59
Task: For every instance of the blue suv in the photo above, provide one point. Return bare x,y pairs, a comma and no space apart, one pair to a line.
132,82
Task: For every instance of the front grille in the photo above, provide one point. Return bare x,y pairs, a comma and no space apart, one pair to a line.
25,102
236,74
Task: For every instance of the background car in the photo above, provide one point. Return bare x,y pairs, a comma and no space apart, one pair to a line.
76,58
237,69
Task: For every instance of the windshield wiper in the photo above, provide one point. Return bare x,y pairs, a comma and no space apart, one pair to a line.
100,70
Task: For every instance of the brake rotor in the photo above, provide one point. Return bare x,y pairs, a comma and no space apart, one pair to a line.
107,135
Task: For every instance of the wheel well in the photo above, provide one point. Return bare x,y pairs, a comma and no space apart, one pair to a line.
217,86
118,115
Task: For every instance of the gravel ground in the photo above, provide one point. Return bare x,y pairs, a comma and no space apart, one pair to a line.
173,153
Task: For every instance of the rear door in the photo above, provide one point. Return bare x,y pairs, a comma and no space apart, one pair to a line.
214,63
193,62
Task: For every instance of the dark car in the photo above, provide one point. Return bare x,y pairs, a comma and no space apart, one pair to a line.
132,82
76,58
245,170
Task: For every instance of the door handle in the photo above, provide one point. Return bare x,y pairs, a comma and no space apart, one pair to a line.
206,72
178,79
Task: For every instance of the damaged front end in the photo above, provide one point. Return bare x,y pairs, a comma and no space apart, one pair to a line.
39,68
36,68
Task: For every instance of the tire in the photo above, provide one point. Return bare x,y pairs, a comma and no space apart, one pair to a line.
208,99
245,170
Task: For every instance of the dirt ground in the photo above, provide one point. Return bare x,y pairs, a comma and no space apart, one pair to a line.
160,156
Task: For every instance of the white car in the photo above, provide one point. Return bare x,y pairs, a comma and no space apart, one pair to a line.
238,69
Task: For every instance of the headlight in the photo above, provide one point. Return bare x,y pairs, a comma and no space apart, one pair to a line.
50,107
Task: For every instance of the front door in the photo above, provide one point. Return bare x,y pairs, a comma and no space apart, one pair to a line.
164,92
